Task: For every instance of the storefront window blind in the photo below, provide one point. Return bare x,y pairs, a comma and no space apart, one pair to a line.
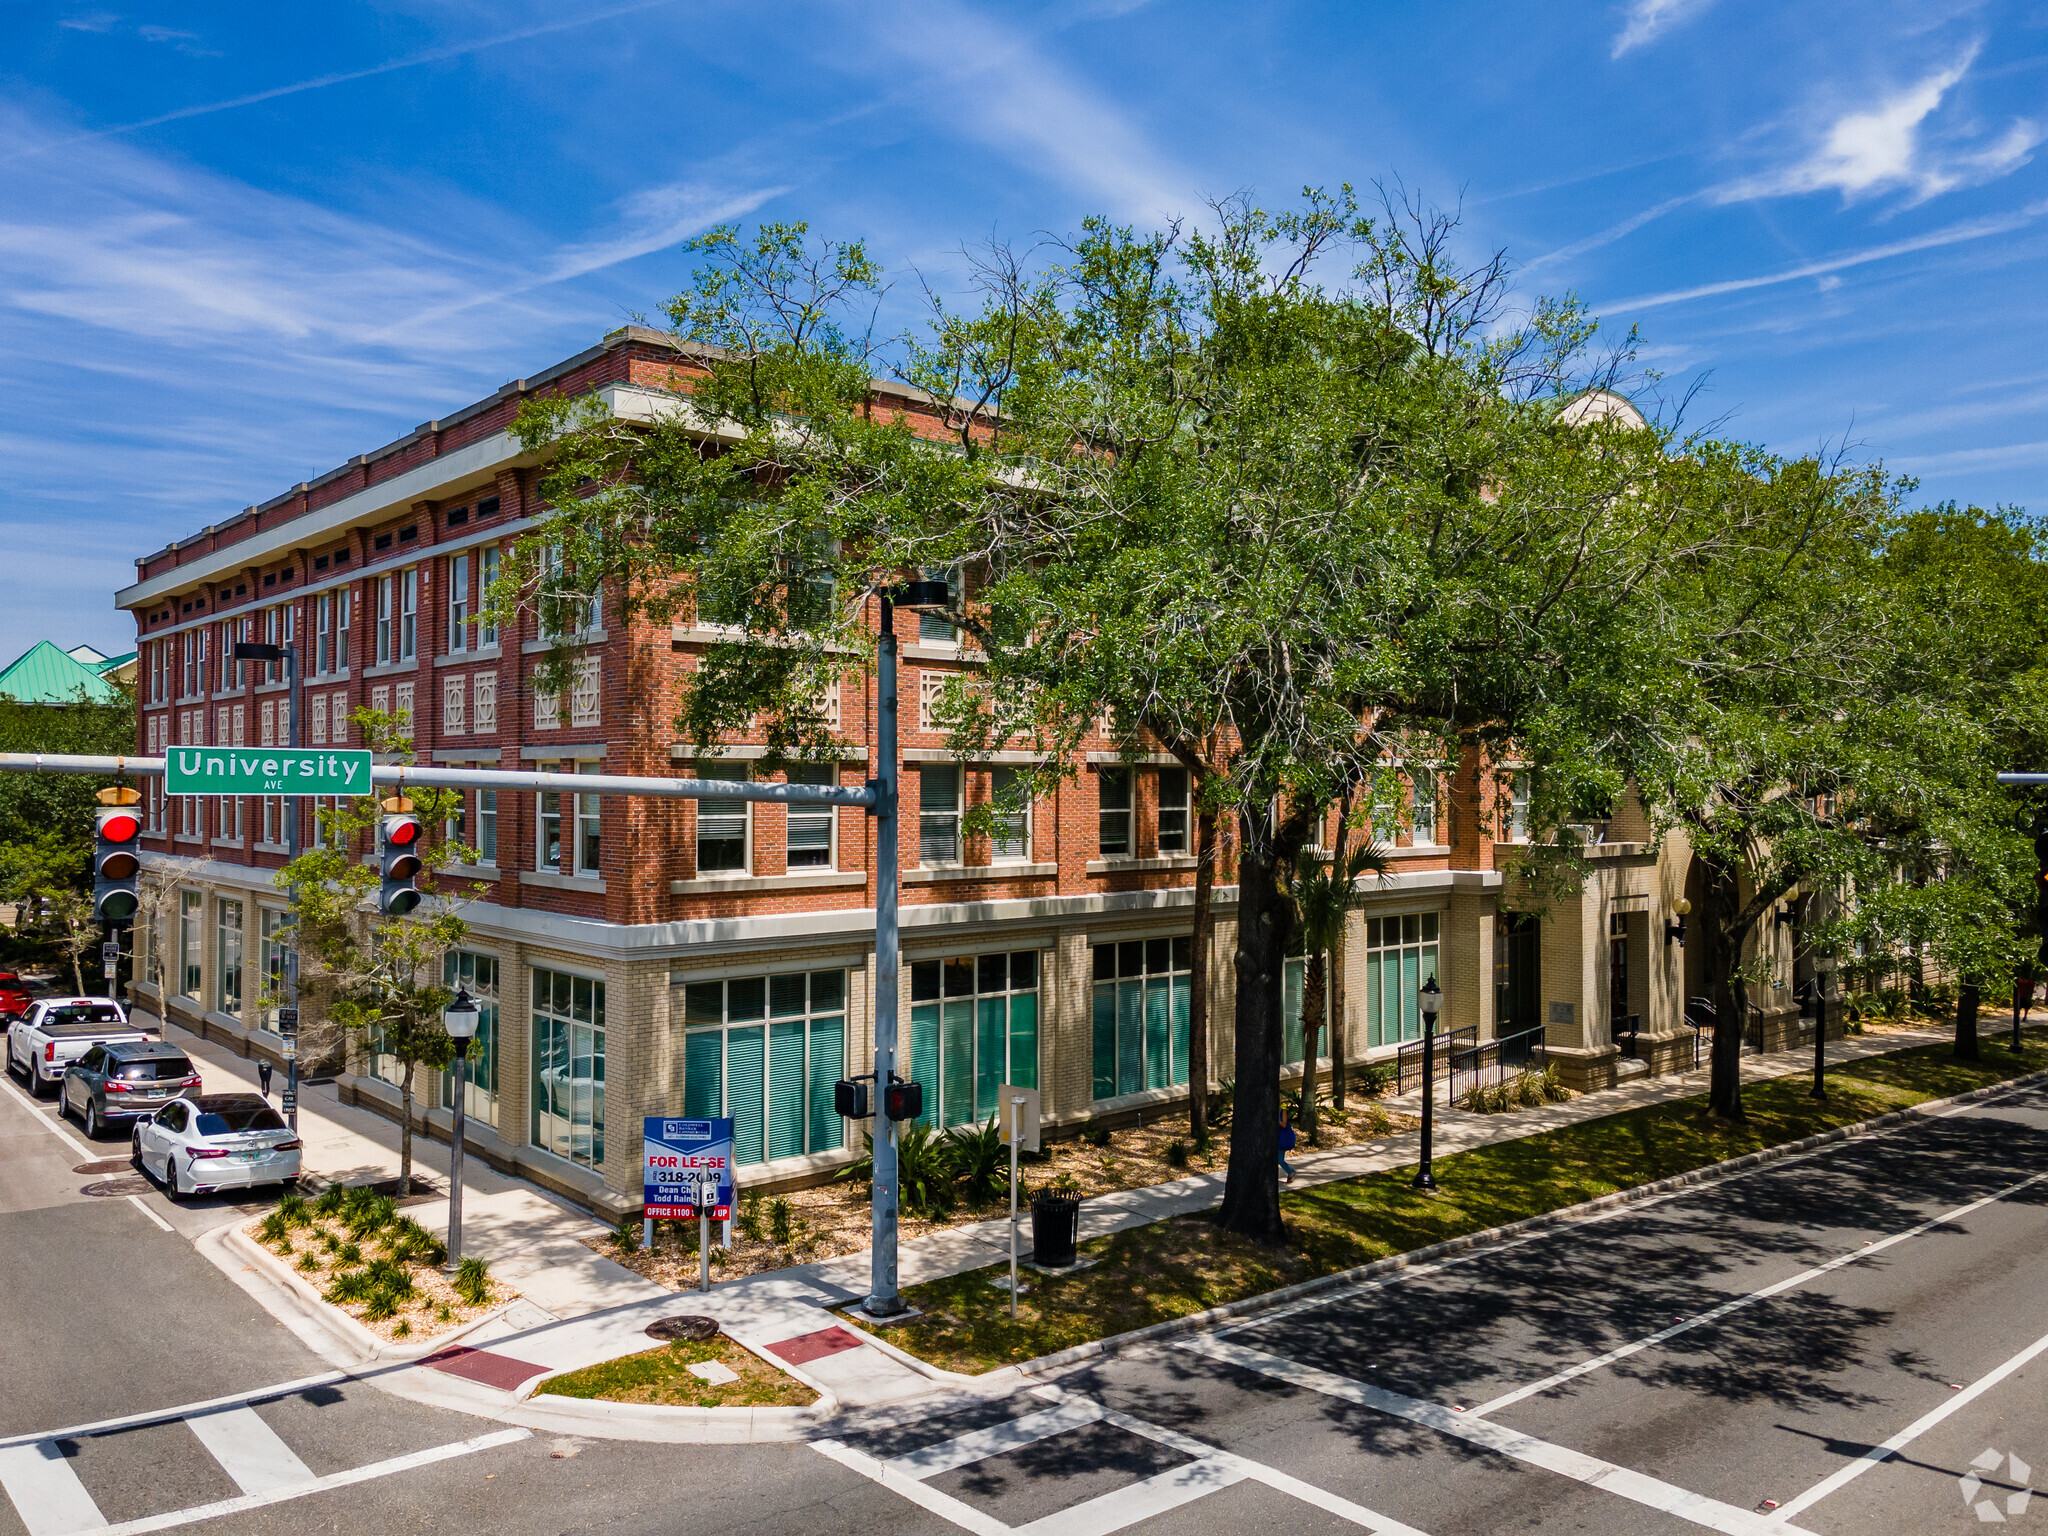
568,1066
973,1027
1142,988
766,1050
1400,955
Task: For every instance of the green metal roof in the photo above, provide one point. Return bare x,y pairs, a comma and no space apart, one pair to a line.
45,675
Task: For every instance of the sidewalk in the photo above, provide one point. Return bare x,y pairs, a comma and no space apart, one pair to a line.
583,1308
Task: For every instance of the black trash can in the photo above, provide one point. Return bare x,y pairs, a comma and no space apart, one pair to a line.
1055,1222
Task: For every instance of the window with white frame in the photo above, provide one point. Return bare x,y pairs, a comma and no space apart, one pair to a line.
275,939
938,814
458,603
487,825
973,1028
486,631
568,1066
1113,820
1423,782
723,825
1518,808
478,975
1010,836
227,978
565,611
568,826
1400,955
1174,810
935,628
323,634
811,827
408,614
190,939
766,1050
387,613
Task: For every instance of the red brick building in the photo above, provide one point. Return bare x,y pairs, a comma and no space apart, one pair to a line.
660,956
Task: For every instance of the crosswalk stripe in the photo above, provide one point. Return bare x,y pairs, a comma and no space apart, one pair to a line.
45,1491
248,1449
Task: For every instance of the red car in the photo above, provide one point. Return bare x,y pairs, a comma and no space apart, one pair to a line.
14,997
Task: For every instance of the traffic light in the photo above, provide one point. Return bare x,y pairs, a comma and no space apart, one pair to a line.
399,845
116,855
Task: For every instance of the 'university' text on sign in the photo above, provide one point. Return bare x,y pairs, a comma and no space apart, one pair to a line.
265,771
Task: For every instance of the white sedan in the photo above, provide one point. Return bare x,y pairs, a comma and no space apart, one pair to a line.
217,1141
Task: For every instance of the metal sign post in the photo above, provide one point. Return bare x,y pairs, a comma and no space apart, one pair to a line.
686,1171
1021,1132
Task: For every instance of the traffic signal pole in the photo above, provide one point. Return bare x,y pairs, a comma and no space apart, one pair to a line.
288,1008
883,1301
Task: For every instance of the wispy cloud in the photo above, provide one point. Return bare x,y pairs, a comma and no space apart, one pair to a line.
92,21
341,77
1645,19
1953,234
1611,233
1886,146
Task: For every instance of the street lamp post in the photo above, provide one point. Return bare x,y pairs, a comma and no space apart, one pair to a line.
1431,998
460,1019
1820,1029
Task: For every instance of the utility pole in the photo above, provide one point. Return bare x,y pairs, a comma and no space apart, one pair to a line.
882,1298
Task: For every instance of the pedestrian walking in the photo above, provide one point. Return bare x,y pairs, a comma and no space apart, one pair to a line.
2022,997
1287,1143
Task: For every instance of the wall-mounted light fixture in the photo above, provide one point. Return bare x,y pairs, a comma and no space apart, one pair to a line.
1675,932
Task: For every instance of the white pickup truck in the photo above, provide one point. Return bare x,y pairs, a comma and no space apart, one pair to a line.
56,1031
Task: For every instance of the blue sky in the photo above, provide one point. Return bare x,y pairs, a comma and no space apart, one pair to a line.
237,247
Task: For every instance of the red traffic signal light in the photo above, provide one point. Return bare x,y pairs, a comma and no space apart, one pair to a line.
402,830
903,1101
116,861
400,858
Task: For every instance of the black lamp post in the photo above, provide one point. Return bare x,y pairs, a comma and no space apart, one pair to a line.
460,1019
1431,998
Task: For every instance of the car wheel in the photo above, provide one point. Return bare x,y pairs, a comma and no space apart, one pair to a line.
135,1154
93,1124
171,1189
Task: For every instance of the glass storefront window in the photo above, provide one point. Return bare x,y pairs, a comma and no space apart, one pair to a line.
227,985
973,1027
766,1050
479,975
568,1066
1400,955
1142,987
189,941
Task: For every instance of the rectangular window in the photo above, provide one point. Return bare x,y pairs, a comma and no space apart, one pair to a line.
1518,808
722,825
227,975
1140,1024
933,628
458,603
408,614
478,975
1425,808
568,1066
973,1028
344,612
1113,837
1400,955
386,635
1010,841
189,939
486,631
487,825
323,634
588,841
548,825
811,826
766,1050
1173,810
275,938
938,814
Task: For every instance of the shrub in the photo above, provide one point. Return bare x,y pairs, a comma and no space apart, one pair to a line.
274,1228
1176,1153
750,1215
401,1329
924,1170
349,1253
379,1306
330,1242
391,1277
980,1159
369,1215
1529,1089
1373,1078
350,1285
473,1282
626,1235
1096,1135
778,1219
293,1209
331,1201
443,1313
309,1260
1554,1089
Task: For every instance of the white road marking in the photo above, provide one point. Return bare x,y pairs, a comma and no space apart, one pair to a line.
51,1126
136,1201
248,1449
183,1410
45,1492
375,1469
1590,1470
1913,1431
1208,1470
1600,1362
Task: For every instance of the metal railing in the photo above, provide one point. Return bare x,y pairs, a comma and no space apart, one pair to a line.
1487,1062
1624,1031
1408,1063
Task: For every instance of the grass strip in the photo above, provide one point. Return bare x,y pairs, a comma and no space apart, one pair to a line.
1188,1264
663,1376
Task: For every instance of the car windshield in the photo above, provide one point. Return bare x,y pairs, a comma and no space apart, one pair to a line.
227,1122
156,1069
84,1013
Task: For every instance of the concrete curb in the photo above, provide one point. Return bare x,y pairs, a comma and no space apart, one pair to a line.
1066,1359
366,1347
762,1425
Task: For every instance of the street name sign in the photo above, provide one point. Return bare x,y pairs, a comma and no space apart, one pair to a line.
687,1168
265,771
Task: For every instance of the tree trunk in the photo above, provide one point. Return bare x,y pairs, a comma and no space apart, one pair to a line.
405,1132
1731,1000
1966,1022
1313,1009
1265,916
1198,984
1337,1029
77,974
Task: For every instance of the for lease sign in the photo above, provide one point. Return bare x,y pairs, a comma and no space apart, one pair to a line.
688,1168
265,771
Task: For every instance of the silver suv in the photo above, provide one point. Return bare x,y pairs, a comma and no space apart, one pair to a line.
125,1080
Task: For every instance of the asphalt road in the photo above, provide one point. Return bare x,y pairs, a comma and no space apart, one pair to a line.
1670,1368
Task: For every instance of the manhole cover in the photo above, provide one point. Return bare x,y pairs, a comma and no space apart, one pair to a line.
104,1165
695,1329
134,1184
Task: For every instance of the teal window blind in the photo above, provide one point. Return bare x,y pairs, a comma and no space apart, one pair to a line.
766,1051
973,1027
1140,1015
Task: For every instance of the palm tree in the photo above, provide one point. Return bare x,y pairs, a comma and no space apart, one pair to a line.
1324,891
